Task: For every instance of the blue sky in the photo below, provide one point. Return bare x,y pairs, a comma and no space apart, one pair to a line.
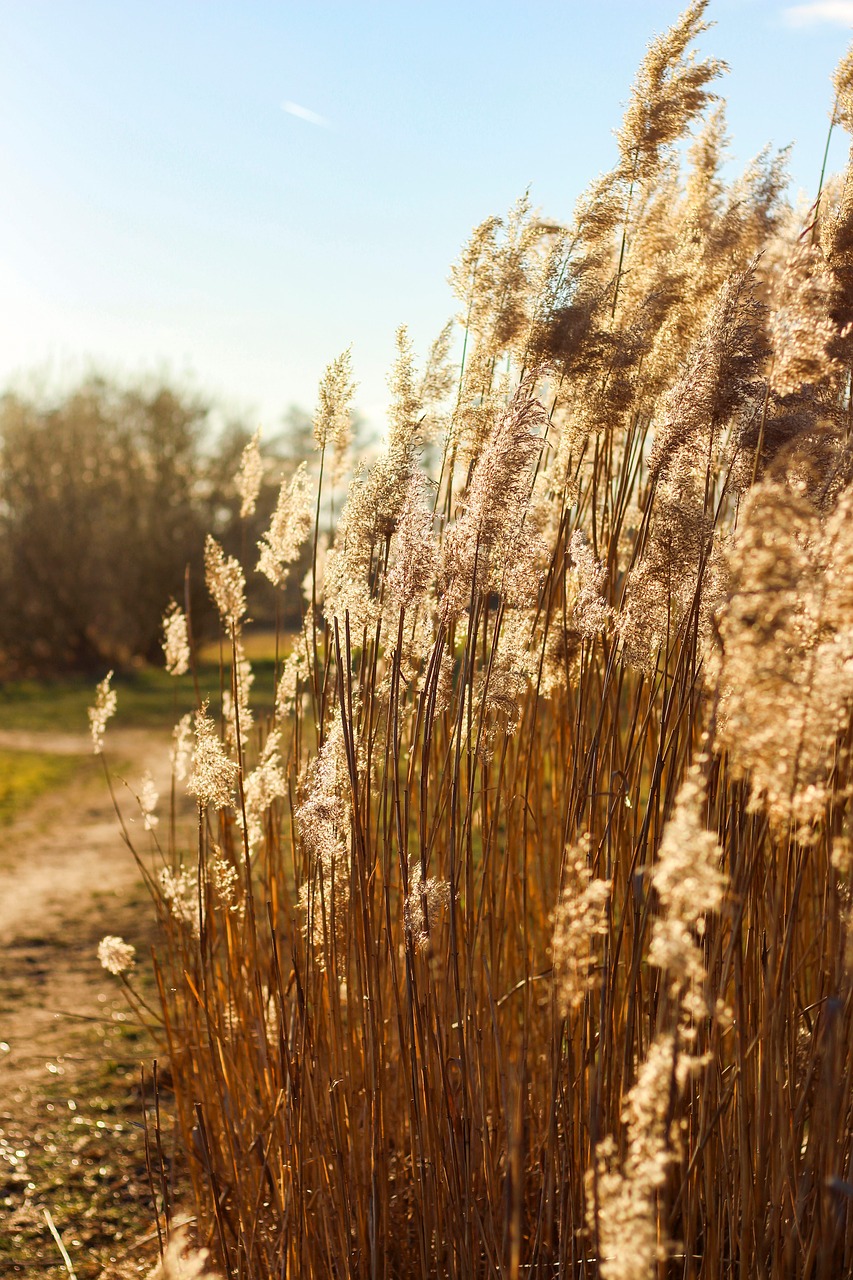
165,209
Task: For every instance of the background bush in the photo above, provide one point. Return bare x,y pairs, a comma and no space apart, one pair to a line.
105,499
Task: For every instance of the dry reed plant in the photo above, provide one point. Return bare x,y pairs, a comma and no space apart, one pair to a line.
518,942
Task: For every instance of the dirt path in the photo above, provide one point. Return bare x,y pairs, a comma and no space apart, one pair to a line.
69,1051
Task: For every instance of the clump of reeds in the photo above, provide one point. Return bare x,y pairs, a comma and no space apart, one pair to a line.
517,942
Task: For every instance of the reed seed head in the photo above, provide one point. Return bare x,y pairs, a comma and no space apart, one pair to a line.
176,643
250,476
225,582
214,775
115,955
100,713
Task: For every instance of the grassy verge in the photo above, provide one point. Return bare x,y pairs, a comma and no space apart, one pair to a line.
82,1158
148,698
74,1110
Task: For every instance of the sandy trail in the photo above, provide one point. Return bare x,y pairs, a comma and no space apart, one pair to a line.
67,878
69,847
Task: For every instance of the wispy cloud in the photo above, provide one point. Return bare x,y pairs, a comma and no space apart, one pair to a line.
303,113
837,12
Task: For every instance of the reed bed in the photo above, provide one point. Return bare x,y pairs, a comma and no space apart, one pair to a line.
518,941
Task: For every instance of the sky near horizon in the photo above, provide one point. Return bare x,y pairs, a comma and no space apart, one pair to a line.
229,194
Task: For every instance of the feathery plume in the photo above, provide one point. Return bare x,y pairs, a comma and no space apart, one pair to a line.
242,679
181,750
580,917
213,776
670,89
424,903
115,955
414,549
181,1262
626,1221
332,420
496,501
148,798
263,785
720,375
439,376
801,330
290,526
176,643
374,506
295,673
225,582
179,890
591,613
718,383
225,880
842,81
322,820
704,188
250,476
786,671
100,713
690,884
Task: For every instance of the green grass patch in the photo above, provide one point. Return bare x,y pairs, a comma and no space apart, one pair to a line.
25,775
148,698
259,647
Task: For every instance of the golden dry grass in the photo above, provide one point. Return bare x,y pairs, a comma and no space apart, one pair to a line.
517,942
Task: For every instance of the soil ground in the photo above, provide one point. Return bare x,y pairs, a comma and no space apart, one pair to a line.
72,1121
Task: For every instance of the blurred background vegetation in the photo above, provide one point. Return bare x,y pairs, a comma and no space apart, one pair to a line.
106,495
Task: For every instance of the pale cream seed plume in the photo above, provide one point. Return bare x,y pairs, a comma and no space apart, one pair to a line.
290,526
843,83
322,820
176,644
181,1262
423,906
100,713
333,417
801,330
581,917
295,673
415,551
626,1222
115,955
225,582
374,506
179,889
214,775
591,613
243,677
250,476
496,501
181,750
226,882
786,681
148,798
264,784
690,884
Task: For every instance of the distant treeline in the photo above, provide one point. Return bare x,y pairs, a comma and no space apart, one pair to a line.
105,499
